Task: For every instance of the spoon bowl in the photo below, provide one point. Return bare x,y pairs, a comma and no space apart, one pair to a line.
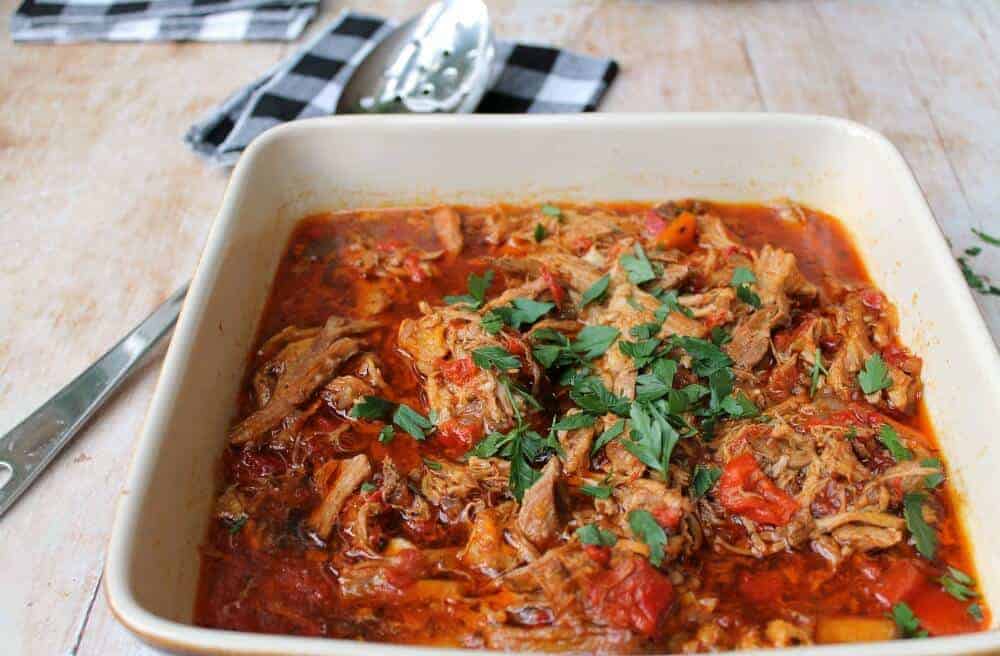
439,61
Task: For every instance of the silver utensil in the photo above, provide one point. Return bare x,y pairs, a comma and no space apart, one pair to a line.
32,444
438,61
441,60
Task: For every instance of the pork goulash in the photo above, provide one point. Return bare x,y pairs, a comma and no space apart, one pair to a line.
613,427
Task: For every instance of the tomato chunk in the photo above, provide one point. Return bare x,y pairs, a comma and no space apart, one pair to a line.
460,371
898,582
600,555
557,290
459,434
939,612
745,490
631,595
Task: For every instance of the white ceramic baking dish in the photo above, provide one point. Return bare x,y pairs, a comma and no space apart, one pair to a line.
347,162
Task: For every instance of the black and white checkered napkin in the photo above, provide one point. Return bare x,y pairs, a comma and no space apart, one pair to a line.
530,79
65,21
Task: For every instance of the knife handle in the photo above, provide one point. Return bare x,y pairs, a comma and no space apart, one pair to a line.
30,446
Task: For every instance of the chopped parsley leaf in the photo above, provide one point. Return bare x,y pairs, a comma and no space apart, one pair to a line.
387,434
889,438
817,370
488,357
923,535
875,375
645,528
669,302
613,431
539,233
596,491
551,210
977,282
477,291
436,466
907,622
371,407
593,341
639,268
741,281
236,524
590,394
411,421
595,535
572,422
704,479
935,479
989,239
596,291
958,584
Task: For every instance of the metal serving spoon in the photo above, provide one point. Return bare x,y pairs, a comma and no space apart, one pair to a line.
438,61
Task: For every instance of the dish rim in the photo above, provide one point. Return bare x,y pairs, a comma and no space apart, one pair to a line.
177,636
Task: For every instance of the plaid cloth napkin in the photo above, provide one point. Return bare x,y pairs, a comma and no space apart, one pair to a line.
531,79
65,21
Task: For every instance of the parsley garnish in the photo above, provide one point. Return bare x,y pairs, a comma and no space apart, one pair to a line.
720,337
235,525
977,282
976,611
596,291
590,394
520,311
491,322
704,479
638,266
594,534
411,421
572,422
596,491
741,281
520,446
489,357
539,233
738,406
367,487
371,407
958,584
875,376
649,387
907,622
551,210
436,466
935,479
613,431
477,291
706,357
641,351
923,535
669,302
387,434
648,531
888,436
593,341
989,239
653,438
817,370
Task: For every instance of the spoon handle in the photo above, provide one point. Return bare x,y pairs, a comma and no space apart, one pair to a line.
31,445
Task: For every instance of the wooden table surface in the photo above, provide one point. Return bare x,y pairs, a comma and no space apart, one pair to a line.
103,210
